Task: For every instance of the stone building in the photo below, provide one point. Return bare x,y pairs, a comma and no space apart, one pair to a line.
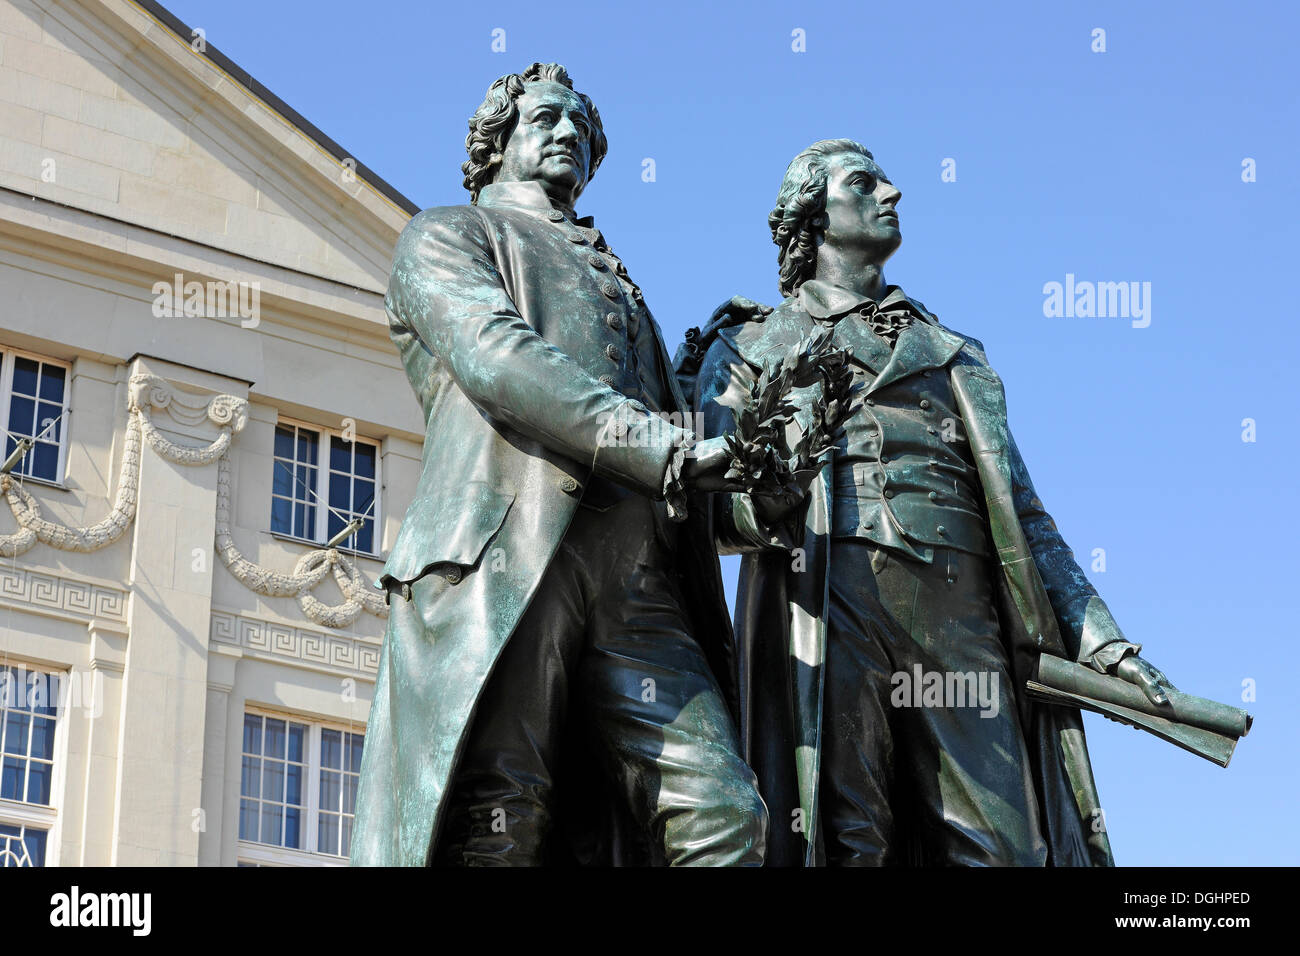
192,332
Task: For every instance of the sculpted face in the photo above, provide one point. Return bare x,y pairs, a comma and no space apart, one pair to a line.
860,203
551,142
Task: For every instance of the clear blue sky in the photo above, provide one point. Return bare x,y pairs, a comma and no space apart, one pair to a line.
1117,166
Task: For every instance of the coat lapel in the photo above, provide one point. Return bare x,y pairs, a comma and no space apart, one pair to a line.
870,351
920,346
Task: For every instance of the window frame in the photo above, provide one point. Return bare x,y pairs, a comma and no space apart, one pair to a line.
48,817
8,355
321,529
267,854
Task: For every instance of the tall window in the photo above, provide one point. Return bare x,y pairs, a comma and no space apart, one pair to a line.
313,497
33,404
298,789
28,722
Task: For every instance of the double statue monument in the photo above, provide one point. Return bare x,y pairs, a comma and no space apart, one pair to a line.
561,683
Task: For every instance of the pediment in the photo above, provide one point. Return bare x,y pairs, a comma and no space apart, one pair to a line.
103,107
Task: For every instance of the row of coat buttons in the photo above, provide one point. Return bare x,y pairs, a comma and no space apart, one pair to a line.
593,259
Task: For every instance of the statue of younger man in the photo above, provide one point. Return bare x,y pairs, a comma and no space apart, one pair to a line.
925,568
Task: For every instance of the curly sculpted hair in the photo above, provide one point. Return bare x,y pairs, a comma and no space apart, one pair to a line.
797,222
494,121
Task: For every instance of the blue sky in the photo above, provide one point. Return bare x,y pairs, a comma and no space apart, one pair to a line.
1122,166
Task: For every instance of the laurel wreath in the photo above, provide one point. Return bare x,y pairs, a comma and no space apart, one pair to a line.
760,455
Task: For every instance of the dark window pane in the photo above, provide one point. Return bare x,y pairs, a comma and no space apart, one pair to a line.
364,459
49,421
273,781
11,779
363,493
339,497
252,734
349,794
283,442
309,525
282,515
282,478
328,834
51,687
307,446
365,538
271,825
355,743
38,782
291,838
22,415
52,377
35,842
293,785
250,777
304,483
334,526
44,461
331,749
16,732
274,745
36,693
25,371
331,791
299,521
297,733
346,843
43,738
248,819
340,454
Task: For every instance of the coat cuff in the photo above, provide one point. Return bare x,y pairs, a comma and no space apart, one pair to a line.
674,488
636,448
1110,655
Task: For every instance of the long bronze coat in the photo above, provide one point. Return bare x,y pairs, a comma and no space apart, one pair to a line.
500,318
1046,604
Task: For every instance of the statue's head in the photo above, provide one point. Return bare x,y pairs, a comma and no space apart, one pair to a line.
833,192
533,127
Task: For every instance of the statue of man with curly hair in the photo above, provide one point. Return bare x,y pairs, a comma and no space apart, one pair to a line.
885,643
546,691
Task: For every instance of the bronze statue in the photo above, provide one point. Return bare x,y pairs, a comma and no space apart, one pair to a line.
542,696
920,568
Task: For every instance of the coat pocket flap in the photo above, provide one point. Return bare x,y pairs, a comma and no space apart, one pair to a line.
461,531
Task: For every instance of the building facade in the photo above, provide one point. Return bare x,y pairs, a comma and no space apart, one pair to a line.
210,444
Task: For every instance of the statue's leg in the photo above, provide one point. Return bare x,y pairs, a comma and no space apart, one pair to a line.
857,817
499,810
965,753
657,715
